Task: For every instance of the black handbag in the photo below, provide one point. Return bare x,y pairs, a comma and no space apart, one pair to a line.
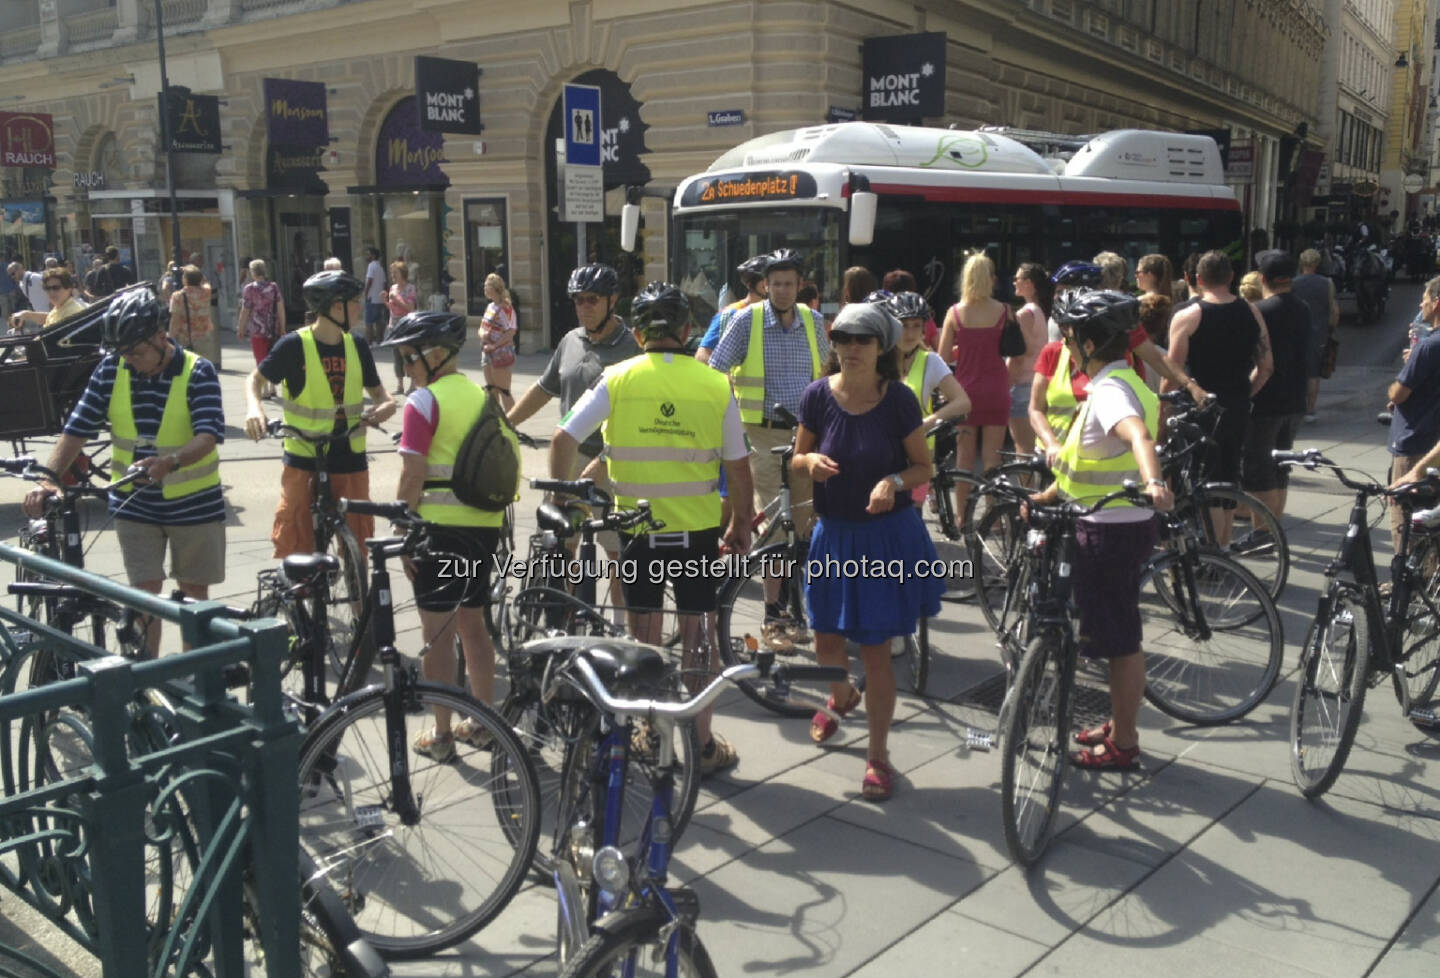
1012,340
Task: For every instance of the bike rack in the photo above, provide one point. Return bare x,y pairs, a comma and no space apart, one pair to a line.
82,837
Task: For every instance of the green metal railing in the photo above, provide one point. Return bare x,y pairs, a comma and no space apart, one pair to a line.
150,815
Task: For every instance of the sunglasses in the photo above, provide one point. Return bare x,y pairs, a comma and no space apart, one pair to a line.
845,339
54,288
412,358
585,300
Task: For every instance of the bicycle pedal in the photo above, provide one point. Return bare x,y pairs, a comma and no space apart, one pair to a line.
1424,716
980,740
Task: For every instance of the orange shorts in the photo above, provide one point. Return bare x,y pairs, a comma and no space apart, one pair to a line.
294,531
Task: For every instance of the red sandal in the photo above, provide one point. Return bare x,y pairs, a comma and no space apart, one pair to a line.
1093,738
1107,757
879,783
823,726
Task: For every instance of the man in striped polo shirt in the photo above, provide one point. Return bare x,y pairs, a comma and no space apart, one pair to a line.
163,407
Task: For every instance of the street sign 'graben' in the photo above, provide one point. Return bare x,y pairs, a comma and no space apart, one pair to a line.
27,139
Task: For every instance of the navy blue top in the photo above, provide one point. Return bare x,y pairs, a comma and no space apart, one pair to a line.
866,447
1415,426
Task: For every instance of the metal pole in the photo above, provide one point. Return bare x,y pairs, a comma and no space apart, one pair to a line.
165,136
580,257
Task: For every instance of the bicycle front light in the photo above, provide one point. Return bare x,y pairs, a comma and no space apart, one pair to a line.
612,872
1035,541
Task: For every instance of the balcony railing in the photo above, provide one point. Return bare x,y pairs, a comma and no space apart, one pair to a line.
89,28
178,13
19,43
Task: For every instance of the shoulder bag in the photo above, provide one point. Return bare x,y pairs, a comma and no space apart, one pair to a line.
1012,340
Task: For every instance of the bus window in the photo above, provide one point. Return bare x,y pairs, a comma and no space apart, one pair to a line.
711,244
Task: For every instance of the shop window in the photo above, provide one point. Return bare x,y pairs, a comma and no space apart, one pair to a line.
486,248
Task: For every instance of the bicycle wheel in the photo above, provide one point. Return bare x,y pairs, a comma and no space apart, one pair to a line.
912,658
1263,549
1214,656
634,943
418,881
1330,692
741,616
1420,642
1036,728
497,610
345,598
995,553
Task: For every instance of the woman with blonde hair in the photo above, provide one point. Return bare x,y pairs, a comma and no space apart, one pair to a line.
497,339
970,343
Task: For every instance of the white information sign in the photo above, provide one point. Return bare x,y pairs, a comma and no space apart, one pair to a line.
584,194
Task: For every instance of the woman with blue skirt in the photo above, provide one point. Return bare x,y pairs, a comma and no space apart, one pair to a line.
873,571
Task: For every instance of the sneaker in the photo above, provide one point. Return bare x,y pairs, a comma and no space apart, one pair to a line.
797,633
718,755
437,747
775,637
1310,419
469,732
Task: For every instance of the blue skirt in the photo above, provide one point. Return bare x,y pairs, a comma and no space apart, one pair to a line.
872,581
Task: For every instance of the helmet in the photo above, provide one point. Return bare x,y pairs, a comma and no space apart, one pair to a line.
783,258
879,296
659,310
1097,315
424,330
132,317
599,279
1082,273
909,305
323,289
753,268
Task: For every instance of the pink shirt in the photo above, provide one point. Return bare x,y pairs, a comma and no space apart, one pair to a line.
418,423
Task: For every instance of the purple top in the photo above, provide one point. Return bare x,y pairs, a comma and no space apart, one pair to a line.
866,447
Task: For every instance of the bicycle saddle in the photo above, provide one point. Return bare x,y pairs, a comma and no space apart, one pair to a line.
551,517
625,665
306,568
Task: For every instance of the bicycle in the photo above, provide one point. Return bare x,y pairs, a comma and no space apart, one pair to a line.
617,915
427,851
1359,635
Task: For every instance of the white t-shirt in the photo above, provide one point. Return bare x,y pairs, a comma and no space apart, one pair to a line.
1110,402
935,372
34,285
375,279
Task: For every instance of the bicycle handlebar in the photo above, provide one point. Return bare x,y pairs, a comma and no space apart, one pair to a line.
1313,458
35,472
583,489
277,427
394,512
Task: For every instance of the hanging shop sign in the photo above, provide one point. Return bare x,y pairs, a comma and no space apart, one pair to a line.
194,121
295,113
406,155
295,168
448,93
27,139
903,77
1241,165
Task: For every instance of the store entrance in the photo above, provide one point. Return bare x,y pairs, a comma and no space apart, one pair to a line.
298,255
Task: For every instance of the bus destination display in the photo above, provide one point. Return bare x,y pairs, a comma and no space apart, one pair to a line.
743,188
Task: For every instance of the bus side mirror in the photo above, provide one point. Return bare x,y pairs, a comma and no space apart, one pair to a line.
862,218
629,226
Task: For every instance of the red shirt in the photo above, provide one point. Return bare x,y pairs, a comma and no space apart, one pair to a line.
1079,383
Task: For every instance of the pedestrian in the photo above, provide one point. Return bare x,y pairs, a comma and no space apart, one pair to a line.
1032,286
442,411
752,276
190,316
775,348
9,292
92,277
678,470
262,315
970,343
1114,271
1318,293
862,442
1222,342
323,372
113,276
375,312
1250,288
1415,401
1155,311
401,300
32,289
163,408
898,280
1154,275
1277,408
857,282
1111,442
939,394
497,339
61,303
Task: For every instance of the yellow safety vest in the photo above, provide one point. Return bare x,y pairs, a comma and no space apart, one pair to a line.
915,380
749,376
1060,402
314,410
174,434
664,435
460,402
1086,478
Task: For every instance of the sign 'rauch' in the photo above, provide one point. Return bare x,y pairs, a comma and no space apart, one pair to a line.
27,139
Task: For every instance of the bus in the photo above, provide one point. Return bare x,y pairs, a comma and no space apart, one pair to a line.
921,199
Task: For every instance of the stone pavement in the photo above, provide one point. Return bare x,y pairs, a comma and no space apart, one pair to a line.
1207,862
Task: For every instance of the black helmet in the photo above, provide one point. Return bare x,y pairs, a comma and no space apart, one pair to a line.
1082,273
1097,315
132,317
659,310
753,269
424,330
323,289
599,279
909,305
783,258
879,297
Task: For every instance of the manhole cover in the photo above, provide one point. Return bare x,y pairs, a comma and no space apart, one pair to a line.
1089,706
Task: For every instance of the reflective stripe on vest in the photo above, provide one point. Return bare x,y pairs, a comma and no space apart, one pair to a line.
664,436
749,376
1060,401
459,401
313,412
915,380
174,434
1085,478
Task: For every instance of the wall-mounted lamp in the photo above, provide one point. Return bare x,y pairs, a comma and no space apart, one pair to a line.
1402,61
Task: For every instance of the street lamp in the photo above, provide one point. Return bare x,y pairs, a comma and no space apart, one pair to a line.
165,133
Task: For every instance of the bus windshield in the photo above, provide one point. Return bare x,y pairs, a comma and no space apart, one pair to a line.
712,243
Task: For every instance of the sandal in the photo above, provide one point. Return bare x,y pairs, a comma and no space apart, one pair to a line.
823,726
436,746
879,781
470,732
1107,756
1095,737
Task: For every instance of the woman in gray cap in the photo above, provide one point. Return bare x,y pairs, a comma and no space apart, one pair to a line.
868,578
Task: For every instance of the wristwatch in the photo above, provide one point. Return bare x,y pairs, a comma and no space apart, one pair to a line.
1157,482
174,459
897,480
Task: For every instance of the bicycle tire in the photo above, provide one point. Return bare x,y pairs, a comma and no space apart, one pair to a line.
1034,738
1420,640
495,608
741,615
1222,677
344,602
1334,667
346,811
1266,556
995,552
625,935
912,665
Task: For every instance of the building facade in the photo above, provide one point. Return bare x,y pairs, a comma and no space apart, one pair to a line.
681,81
1405,167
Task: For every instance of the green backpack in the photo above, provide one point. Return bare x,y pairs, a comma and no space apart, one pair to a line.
487,467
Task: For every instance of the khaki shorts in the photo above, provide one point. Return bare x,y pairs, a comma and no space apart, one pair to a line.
197,551
765,471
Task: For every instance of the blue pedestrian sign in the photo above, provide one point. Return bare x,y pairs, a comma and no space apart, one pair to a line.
582,125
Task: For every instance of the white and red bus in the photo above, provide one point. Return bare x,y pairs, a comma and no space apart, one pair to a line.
888,197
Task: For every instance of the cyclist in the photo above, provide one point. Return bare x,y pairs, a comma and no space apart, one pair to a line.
669,424
922,370
774,353
163,407
752,274
299,360
1111,441
438,416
